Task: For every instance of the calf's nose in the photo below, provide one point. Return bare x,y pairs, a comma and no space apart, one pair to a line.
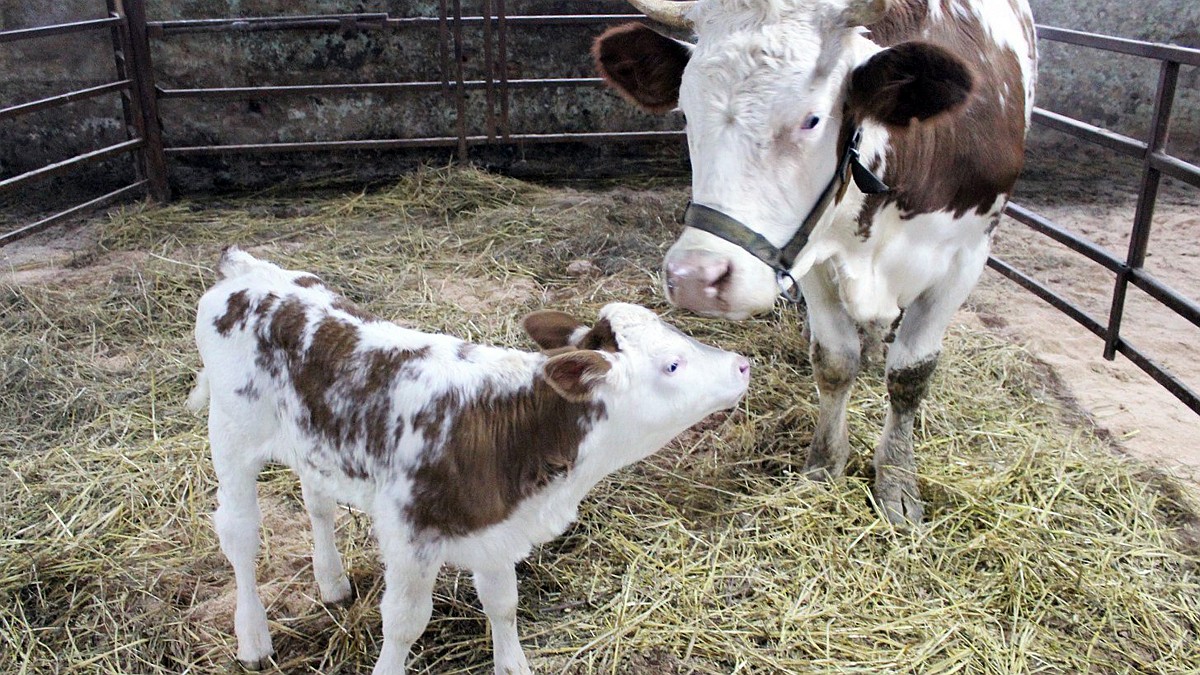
695,280
743,366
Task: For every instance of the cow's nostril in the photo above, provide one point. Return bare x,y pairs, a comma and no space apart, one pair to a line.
743,365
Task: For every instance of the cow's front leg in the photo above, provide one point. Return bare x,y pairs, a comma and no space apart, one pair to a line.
835,354
911,361
497,589
896,492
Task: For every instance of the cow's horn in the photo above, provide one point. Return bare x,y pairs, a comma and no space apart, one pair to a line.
666,11
864,12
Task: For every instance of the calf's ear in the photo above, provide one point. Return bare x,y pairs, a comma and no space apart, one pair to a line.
643,65
575,374
910,81
550,329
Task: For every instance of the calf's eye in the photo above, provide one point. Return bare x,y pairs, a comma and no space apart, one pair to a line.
810,122
671,367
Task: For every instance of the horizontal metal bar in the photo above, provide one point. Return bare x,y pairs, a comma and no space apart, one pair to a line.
364,88
1168,296
1150,50
57,29
1123,144
104,200
1176,168
62,99
1058,302
433,142
68,164
1151,368
1181,391
373,21
1040,224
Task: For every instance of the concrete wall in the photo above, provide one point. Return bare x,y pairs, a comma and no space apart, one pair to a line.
1112,91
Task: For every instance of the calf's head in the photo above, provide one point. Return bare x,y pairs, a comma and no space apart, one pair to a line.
771,92
653,380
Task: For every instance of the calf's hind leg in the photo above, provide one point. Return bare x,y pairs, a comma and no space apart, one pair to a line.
237,522
327,563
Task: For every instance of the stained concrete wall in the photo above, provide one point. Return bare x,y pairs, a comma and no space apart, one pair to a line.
1115,91
1111,91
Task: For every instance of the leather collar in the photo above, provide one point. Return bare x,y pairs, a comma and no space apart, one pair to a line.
782,259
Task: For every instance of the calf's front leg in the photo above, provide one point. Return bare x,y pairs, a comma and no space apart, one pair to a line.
327,563
408,575
497,589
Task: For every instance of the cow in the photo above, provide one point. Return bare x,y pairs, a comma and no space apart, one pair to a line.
857,154
461,453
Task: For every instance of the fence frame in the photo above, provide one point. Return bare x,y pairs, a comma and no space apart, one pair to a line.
135,82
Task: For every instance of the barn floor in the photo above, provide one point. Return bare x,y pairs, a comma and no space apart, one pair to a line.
1044,550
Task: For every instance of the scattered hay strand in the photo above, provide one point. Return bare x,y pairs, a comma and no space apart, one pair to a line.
1044,551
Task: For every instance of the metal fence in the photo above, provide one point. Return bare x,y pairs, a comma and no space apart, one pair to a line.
135,83
1156,163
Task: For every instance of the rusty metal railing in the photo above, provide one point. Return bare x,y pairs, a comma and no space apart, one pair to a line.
126,23
1156,162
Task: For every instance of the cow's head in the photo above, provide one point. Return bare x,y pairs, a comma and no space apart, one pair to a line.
771,92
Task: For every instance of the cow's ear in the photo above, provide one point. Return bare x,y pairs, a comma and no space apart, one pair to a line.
642,65
575,374
551,329
913,80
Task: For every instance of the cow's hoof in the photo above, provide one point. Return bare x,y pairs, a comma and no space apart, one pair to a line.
899,507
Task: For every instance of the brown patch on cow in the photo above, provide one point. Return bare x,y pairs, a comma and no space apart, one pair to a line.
264,306
964,161
550,329
643,66
499,450
908,386
601,338
237,305
307,281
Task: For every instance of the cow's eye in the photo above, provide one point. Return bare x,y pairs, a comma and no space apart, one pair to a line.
672,366
810,122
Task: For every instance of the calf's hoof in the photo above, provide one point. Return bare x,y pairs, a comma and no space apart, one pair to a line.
257,664
900,506
340,595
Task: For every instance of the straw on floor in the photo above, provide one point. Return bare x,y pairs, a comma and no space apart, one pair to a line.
1044,551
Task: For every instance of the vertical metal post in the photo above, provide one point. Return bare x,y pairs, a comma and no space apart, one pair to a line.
460,90
444,44
1143,217
142,73
129,109
502,62
488,71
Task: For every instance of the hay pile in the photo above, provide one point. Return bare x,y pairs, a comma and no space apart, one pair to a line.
1044,552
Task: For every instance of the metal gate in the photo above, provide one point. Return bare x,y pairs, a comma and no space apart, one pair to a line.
495,27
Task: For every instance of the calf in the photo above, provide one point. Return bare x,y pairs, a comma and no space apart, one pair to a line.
462,453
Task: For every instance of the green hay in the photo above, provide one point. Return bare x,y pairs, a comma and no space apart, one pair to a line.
1043,551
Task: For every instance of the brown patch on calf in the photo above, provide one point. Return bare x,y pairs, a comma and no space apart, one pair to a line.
237,305
550,329
307,281
600,338
499,450
344,305
643,66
